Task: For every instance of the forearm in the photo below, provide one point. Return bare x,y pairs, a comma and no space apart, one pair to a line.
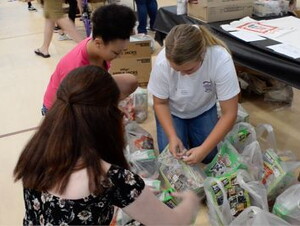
223,126
185,212
163,114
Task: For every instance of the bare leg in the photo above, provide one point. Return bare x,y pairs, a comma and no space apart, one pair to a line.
69,27
48,32
79,5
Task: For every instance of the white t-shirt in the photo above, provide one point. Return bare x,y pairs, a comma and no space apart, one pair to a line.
191,95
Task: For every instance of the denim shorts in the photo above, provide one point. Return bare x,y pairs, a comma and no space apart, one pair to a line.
192,132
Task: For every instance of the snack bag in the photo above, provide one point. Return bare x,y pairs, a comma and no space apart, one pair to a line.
166,198
154,184
226,161
238,198
140,103
140,151
180,176
241,135
138,138
287,205
276,176
127,108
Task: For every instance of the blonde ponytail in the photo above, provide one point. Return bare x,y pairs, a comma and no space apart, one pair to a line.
210,39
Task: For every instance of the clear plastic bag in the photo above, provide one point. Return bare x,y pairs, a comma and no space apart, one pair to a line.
241,192
253,157
140,103
140,151
127,107
179,175
256,190
287,205
241,135
227,160
254,216
266,137
278,175
218,211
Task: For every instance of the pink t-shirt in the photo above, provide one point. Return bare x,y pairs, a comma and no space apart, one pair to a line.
77,57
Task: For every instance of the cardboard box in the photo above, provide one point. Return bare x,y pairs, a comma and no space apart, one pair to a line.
137,49
219,10
136,60
270,8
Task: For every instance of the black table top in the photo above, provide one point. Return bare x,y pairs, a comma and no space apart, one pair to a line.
253,55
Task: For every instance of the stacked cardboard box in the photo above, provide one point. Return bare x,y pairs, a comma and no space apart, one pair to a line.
136,60
219,10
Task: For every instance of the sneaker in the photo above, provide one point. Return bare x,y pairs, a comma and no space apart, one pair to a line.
31,8
63,37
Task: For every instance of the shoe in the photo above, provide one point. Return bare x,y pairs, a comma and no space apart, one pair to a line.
39,53
56,29
63,37
31,8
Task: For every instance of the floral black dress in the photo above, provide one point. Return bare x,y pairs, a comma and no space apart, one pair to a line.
43,208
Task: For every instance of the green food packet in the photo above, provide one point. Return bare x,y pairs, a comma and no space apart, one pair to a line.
275,178
166,198
227,161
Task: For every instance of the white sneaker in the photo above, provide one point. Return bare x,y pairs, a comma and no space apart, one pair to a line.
63,37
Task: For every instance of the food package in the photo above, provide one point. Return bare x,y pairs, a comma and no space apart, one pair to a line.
237,197
180,176
167,198
127,108
277,174
241,135
226,161
140,103
154,184
140,151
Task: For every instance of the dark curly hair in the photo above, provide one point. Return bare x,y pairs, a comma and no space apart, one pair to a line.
113,22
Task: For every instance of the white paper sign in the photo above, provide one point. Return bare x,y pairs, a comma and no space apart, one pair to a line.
286,49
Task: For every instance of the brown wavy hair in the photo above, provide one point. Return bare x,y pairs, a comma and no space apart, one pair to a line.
84,125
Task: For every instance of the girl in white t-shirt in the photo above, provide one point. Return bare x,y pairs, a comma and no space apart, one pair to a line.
190,74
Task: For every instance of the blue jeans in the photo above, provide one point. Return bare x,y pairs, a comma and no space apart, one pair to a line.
144,8
192,132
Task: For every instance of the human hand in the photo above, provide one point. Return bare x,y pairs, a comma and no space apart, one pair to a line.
176,147
194,156
188,196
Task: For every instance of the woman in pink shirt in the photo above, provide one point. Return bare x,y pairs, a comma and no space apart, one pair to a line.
112,27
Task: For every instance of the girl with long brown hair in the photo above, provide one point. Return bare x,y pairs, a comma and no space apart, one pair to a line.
73,169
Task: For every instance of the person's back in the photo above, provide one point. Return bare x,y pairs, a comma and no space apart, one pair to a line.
74,170
77,205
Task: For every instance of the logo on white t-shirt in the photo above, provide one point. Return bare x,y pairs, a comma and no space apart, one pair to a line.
207,85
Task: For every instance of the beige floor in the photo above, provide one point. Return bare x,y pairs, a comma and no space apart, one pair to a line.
23,79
